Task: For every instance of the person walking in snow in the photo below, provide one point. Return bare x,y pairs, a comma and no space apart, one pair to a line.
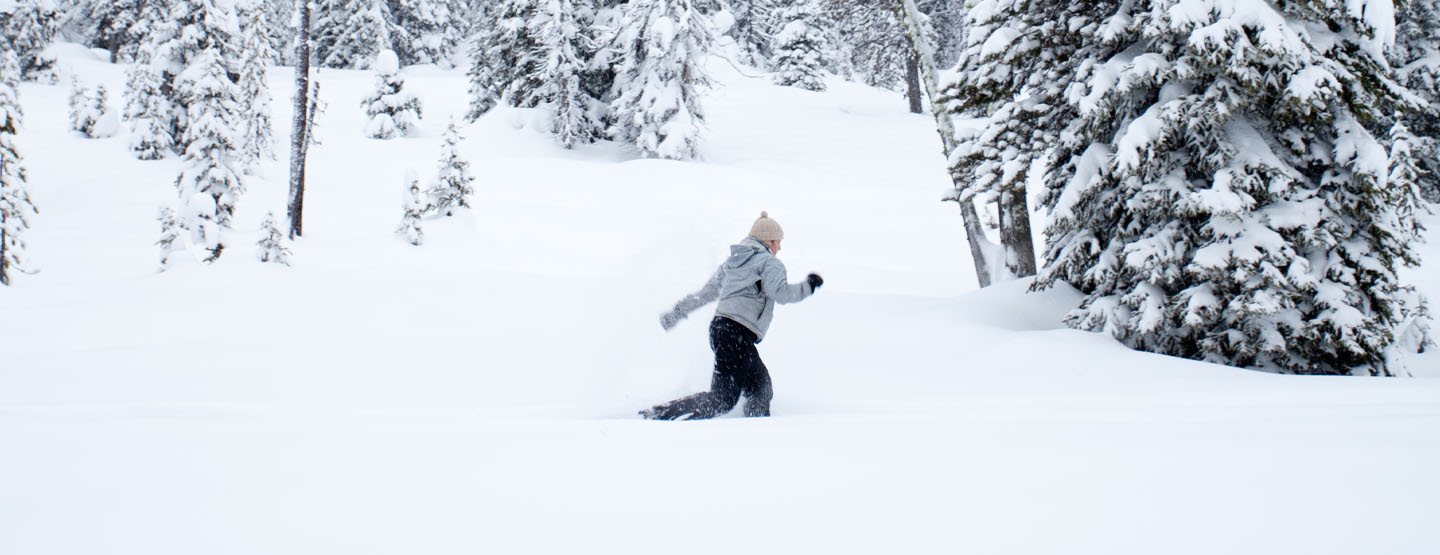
747,285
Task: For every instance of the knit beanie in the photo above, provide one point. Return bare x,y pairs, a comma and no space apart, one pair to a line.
766,229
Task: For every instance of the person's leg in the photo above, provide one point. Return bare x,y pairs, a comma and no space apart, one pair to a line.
730,366
757,385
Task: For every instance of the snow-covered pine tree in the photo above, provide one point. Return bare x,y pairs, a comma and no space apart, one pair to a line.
453,183
566,50
271,246
109,24
1221,195
209,181
105,124
1023,111
433,31
194,32
869,35
28,26
169,235
1406,175
280,29
15,205
799,47
82,116
506,60
349,34
415,209
148,112
659,75
753,29
1416,58
254,101
391,110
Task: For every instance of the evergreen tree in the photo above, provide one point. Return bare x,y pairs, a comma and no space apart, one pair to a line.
659,73
1221,194
415,209
111,24
169,235
799,47
90,113
1416,57
254,101
28,26
391,110
453,184
193,32
209,181
82,116
506,58
566,49
271,246
350,33
148,111
15,205
433,30
753,29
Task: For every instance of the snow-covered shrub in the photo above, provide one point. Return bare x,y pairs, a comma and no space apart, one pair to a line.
392,111
452,187
271,246
415,209
169,235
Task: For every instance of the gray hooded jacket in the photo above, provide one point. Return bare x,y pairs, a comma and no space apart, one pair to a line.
748,285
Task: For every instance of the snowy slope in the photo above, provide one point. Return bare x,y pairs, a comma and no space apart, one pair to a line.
476,394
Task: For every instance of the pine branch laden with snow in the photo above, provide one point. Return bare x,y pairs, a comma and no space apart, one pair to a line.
415,209
1221,194
349,34
566,51
453,185
271,245
506,58
16,208
258,139
1416,59
148,112
169,235
659,76
27,28
209,181
800,46
391,110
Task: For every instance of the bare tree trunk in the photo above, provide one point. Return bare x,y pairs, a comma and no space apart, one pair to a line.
917,28
1015,233
299,134
912,81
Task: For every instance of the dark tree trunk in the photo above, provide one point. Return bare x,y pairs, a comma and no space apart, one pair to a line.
299,134
1015,233
912,82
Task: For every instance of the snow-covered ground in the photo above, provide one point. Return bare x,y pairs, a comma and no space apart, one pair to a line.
477,394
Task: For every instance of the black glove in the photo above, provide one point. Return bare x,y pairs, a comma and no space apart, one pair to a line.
815,281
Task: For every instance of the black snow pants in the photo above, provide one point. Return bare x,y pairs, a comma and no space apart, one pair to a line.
738,370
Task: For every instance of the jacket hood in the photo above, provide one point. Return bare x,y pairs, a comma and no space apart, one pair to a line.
742,252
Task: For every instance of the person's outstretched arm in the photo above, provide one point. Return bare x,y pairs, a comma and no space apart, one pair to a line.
693,301
777,286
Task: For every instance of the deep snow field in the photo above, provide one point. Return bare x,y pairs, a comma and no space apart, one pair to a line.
476,394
